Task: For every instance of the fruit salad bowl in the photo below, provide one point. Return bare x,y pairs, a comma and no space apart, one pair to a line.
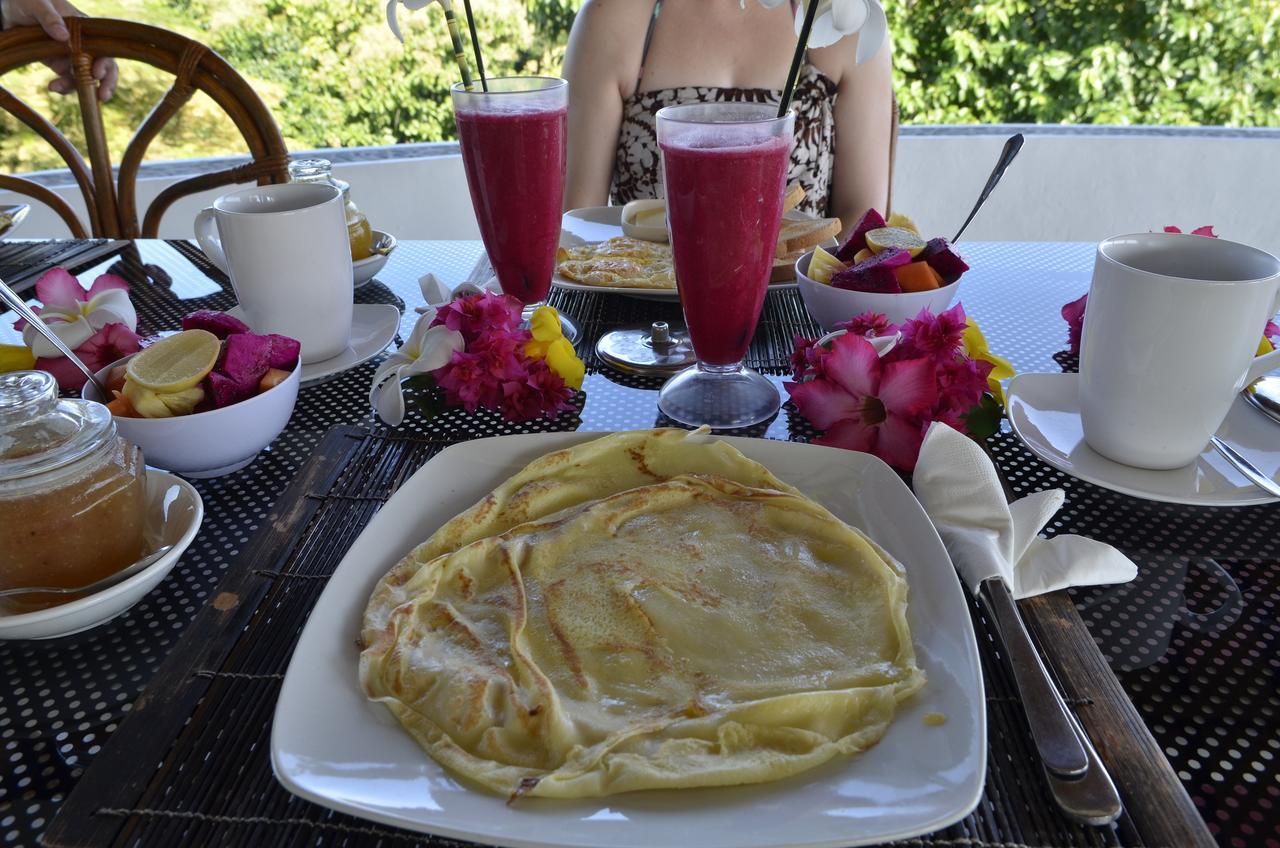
829,305
213,442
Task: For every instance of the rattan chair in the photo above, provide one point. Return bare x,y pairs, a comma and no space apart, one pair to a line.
112,200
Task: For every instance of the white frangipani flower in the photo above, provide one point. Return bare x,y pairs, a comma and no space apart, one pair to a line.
411,5
838,18
74,314
427,349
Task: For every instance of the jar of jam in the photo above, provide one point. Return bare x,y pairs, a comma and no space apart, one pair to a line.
359,232
72,491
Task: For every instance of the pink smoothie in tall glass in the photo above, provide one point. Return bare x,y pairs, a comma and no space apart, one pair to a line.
515,163
724,206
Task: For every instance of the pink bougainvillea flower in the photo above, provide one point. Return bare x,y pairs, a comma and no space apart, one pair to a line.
1073,314
868,405
541,392
1271,330
868,324
938,336
478,314
1198,231
105,346
74,314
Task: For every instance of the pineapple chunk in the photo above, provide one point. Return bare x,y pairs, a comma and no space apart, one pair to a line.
823,265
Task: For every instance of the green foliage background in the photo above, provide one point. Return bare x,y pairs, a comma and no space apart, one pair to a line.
334,76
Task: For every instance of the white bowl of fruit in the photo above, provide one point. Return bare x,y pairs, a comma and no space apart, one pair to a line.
884,267
203,402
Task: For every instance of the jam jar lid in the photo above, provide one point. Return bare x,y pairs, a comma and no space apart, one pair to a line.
39,432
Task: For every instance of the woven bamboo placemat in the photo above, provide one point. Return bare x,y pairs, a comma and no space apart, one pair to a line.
190,766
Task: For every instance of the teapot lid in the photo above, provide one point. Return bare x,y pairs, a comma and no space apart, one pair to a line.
40,432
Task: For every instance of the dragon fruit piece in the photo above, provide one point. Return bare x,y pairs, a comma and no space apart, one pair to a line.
943,259
225,391
245,358
858,238
874,274
284,352
219,323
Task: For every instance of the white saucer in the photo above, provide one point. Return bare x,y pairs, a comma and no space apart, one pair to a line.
373,326
1045,412
174,513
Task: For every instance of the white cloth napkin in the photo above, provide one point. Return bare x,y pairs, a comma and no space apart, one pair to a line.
985,536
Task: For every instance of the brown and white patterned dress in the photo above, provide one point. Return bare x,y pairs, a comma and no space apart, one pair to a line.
637,172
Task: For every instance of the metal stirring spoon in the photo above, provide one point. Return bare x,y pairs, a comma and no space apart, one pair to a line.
96,586
1007,154
17,304
1265,397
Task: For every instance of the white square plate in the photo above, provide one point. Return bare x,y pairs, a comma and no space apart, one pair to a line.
330,745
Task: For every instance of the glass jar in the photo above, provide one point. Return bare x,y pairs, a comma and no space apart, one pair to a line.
321,171
72,491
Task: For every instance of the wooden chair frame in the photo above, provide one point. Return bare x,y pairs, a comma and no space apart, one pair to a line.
111,200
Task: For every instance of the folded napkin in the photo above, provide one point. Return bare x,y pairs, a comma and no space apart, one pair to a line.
985,536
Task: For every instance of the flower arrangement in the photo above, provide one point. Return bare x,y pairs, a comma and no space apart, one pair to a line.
931,368
99,324
475,352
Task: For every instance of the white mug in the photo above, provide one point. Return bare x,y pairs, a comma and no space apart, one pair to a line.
1170,333
285,248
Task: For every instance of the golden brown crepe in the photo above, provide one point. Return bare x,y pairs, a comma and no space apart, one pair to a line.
602,623
619,261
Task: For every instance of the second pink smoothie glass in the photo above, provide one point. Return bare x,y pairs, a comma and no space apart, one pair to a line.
725,170
513,151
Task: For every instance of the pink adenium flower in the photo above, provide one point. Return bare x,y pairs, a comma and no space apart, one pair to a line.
1073,314
938,336
105,346
479,314
1198,231
866,404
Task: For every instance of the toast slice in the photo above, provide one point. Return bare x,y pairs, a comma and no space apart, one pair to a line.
801,234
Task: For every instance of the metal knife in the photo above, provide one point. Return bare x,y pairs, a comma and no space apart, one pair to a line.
1055,737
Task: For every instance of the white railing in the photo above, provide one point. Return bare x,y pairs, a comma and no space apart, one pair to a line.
1069,183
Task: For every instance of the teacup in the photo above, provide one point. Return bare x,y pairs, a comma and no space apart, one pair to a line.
286,250
1169,339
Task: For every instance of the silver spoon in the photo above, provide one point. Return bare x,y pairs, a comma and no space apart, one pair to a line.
1007,154
96,586
18,305
1245,467
1264,396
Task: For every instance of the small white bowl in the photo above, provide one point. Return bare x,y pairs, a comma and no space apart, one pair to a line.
829,305
643,232
174,513
212,443
362,270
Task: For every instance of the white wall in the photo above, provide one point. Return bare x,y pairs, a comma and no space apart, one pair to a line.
1068,187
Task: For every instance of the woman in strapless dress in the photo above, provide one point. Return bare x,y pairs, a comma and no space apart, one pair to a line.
629,58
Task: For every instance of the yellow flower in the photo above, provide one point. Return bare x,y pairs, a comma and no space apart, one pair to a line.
975,347
1264,347
550,344
16,358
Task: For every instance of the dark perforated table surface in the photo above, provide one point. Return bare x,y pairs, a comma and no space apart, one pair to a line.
1193,640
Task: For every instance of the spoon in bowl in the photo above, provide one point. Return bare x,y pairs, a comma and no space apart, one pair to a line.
96,586
18,305
1007,154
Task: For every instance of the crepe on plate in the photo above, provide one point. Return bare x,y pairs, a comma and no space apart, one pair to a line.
693,631
619,261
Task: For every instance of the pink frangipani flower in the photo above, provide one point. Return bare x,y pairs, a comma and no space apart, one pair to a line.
868,405
108,344
74,314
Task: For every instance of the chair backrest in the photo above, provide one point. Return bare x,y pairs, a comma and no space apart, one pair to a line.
112,201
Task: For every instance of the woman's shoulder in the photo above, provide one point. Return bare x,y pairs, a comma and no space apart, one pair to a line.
613,20
604,38
838,62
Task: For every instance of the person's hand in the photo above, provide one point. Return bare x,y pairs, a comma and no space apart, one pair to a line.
48,15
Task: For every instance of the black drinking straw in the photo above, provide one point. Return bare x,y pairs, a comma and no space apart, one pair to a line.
475,44
810,12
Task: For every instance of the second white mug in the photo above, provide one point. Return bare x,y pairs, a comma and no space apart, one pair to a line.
1172,325
286,250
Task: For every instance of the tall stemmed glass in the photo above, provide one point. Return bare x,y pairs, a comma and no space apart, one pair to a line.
725,169
513,150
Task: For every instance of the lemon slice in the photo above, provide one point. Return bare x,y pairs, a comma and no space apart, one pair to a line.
903,239
822,265
897,219
176,363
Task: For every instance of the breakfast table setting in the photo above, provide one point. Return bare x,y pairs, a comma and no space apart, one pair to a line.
692,520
